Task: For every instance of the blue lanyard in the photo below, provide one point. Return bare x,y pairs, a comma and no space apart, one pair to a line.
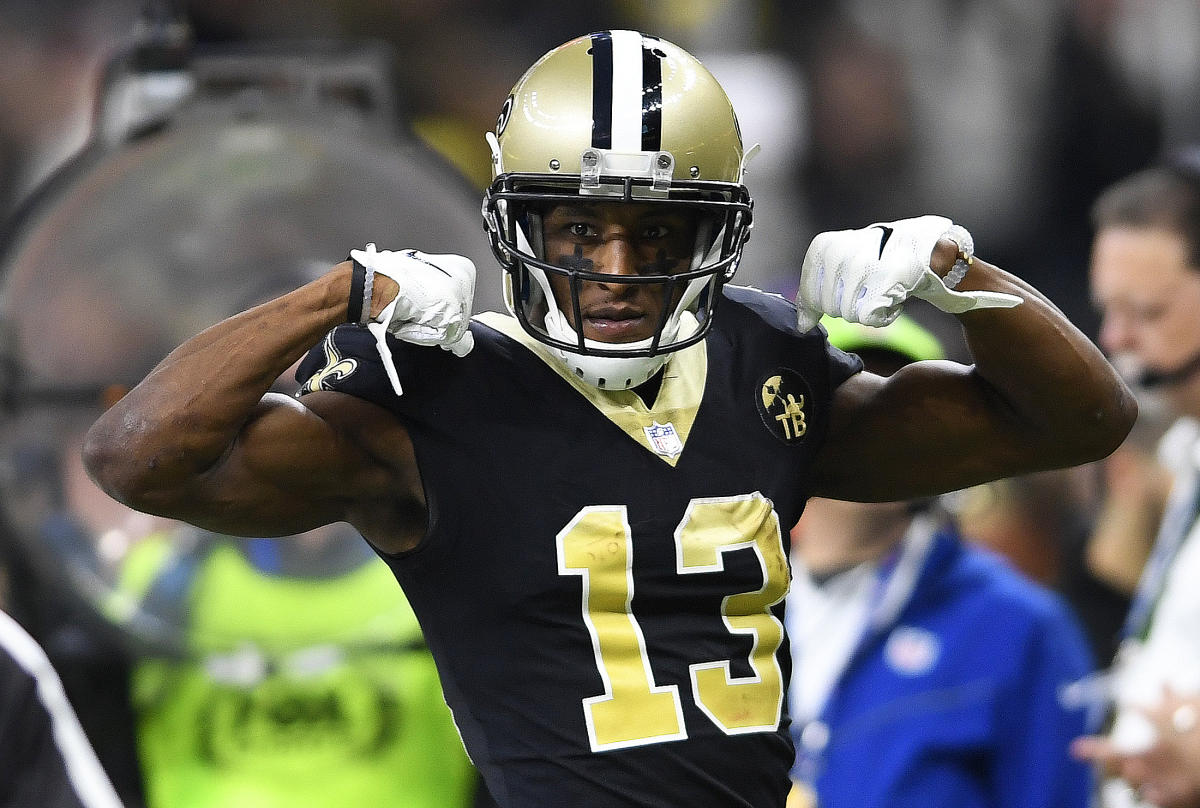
1178,520
882,613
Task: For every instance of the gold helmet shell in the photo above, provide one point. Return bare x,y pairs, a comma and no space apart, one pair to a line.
647,96
616,116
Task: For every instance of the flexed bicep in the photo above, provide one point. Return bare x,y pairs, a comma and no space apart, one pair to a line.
202,439
298,464
931,427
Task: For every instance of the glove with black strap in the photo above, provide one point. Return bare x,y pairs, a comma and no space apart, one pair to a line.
432,306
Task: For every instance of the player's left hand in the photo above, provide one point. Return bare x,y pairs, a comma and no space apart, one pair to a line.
864,276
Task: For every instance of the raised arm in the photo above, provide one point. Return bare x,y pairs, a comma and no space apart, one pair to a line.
201,439
1039,395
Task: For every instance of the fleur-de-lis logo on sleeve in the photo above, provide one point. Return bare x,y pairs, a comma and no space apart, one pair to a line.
336,368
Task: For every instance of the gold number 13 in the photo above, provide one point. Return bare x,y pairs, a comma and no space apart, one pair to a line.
633,710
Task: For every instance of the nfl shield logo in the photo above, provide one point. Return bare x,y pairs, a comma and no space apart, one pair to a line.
664,439
912,651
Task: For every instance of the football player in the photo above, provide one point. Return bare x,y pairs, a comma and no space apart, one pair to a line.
587,500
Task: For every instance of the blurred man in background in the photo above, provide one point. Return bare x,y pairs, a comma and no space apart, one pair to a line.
1145,279
926,672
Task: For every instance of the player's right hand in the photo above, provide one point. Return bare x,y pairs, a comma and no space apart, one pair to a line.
432,305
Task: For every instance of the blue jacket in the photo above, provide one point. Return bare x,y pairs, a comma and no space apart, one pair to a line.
956,703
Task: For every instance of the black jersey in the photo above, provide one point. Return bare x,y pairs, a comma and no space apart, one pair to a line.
45,758
602,581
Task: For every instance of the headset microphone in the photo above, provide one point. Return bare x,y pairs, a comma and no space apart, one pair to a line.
1151,377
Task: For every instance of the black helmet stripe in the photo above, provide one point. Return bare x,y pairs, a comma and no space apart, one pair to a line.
626,92
602,87
651,96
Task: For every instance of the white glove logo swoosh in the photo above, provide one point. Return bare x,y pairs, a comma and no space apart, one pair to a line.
413,255
887,234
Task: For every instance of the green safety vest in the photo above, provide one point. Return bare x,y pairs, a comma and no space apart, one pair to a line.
320,692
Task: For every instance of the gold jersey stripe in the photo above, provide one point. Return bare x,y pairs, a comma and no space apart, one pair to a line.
678,399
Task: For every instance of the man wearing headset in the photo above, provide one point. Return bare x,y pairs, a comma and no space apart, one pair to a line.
1145,279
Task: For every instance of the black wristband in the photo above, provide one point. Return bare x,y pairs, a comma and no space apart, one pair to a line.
358,279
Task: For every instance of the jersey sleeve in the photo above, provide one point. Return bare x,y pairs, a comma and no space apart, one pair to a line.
842,365
347,361
780,313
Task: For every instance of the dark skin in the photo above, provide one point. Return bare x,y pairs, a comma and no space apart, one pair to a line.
201,439
620,240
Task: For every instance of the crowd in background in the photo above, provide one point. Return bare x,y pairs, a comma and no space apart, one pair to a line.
1007,115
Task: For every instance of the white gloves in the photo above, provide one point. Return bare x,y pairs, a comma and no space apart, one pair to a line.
864,276
433,306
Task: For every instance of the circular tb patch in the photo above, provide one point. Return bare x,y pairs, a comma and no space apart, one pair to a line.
783,402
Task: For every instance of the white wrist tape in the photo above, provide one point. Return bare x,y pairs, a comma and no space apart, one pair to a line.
966,255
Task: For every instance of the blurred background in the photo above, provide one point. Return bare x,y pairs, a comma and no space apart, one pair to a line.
163,165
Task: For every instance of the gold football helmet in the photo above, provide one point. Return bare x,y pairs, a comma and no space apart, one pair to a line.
616,116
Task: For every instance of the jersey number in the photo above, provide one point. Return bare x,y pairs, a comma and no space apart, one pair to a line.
633,710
